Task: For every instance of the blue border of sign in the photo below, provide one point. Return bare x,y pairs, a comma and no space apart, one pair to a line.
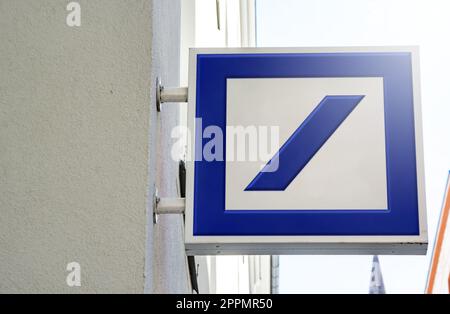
402,215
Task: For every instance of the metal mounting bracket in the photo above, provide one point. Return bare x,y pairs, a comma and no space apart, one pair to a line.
164,206
169,95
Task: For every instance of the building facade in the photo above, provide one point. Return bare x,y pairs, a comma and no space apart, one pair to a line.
83,149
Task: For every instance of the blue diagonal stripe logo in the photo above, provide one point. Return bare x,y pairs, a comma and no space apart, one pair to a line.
304,143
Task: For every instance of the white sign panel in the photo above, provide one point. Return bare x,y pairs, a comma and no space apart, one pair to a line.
305,151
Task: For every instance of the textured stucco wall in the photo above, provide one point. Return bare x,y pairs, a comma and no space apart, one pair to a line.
166,266
75,124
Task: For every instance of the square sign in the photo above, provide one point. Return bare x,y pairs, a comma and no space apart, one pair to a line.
305,151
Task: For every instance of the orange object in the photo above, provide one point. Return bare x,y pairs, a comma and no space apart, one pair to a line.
439,275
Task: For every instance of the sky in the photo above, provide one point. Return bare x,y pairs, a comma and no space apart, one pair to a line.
305,23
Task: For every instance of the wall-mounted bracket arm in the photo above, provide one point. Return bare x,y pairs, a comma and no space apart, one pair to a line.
164,206
170,206
169,94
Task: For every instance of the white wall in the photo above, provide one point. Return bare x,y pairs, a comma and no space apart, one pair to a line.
79,149
166,259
